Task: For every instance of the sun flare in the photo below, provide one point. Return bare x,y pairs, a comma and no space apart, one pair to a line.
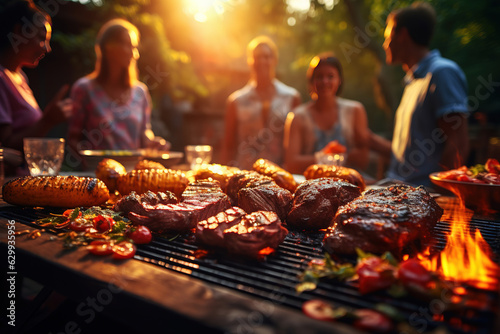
201,10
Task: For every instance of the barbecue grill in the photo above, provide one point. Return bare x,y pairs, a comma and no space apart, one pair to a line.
274,280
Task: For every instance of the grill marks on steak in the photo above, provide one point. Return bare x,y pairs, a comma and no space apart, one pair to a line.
201,202
134,202
256,232
316,201
395,219
253,192
210,232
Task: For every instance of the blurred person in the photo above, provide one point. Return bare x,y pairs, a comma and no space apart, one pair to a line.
255,114
111,107
25,35
431,130
326,118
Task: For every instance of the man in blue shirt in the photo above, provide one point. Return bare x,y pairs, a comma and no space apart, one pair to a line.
431,131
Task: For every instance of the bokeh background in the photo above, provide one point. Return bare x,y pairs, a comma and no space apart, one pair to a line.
193,55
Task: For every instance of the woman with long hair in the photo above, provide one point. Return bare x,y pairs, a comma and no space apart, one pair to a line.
111,107
25,35
326,118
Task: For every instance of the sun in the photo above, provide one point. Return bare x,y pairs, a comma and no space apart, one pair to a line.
203,9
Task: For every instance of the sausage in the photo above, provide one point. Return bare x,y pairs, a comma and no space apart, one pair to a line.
348,174
282,177
108,171
56,191
154,180
148,164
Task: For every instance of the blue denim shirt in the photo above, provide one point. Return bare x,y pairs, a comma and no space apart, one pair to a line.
434,89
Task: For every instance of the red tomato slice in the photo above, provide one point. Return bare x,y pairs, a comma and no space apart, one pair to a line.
79,225
374,274
492,166
413,272
103,223
140,235
100,247
123,250
372,321
318,309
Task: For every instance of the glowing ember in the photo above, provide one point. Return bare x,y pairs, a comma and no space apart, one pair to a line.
466,257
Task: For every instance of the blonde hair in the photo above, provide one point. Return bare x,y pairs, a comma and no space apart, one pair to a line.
261,40
110,32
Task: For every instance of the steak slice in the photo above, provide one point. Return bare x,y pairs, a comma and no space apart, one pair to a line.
133,202
265,197
201,188
257,234
210,232
396,219
182,217
316,201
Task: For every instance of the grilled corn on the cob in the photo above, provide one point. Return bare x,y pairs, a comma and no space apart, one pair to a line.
155,180
56,191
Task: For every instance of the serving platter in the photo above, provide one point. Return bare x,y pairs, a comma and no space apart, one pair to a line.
481,197
129,158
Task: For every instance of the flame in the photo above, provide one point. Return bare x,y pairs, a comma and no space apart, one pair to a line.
466,257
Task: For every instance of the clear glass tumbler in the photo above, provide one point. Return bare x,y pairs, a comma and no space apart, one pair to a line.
44,155
198,155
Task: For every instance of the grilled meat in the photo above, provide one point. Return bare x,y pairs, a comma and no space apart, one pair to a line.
257,234
200,200
395,219
133,202
109,170
316,201
241,180
282,177
155,180
348,174
210,232
148,164
265,197
182,217
216,172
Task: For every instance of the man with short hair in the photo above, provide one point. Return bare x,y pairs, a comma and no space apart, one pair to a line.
431,131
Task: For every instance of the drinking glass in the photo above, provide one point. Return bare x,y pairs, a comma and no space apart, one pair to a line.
44,155
197,155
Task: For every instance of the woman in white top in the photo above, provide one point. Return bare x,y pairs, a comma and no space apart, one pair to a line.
325,118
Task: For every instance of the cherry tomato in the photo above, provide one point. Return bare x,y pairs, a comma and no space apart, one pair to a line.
100,247
140,235
413,272
374,274
103,223
492,166
80,225
372,321
123,250
318,309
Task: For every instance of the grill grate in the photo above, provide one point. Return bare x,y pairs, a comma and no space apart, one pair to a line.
275,279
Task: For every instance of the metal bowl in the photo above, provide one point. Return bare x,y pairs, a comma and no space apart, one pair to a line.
480,197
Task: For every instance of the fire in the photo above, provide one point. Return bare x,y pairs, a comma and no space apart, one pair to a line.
466,257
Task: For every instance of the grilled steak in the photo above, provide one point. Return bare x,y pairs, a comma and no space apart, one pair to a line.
395,219
201,188
210,232
200,200
265,197
258,233
182,217
133,202
243,179
316,201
